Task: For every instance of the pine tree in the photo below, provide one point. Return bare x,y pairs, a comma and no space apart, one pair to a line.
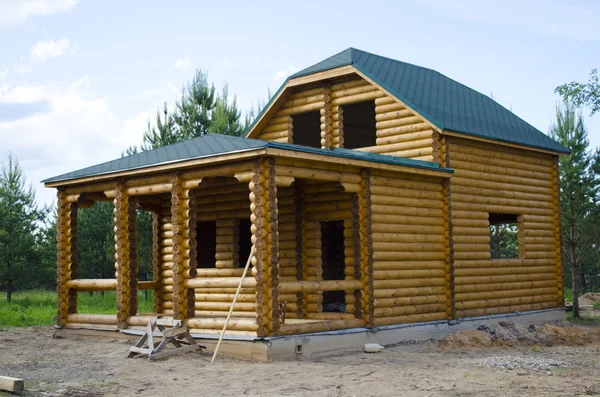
164,133
194,109
225,118
578,193
19,215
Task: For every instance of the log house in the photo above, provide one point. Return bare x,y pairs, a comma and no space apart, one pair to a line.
367,186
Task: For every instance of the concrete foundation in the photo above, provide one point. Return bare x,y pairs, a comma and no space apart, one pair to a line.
298,346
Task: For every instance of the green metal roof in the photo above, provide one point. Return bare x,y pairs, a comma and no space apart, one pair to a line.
211,145
446,103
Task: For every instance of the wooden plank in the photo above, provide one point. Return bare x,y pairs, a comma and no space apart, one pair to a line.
13,385
173,352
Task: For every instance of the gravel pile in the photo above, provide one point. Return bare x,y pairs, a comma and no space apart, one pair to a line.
541,364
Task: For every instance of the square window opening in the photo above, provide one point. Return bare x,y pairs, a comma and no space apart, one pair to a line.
359,125
504,242
306,129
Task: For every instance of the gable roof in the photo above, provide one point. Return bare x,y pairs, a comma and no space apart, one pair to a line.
212,145
444,102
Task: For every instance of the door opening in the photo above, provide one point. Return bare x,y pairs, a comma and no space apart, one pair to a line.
332,251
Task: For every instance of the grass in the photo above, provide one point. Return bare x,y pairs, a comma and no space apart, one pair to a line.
583,320
39,307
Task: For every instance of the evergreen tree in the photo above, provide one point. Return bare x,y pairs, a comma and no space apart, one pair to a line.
19,215
164,133
578,193
193,116
96,241
225,118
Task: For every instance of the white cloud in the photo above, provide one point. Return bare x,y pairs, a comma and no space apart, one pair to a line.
16,12
3,71
77,130
43,50
184,63
285,72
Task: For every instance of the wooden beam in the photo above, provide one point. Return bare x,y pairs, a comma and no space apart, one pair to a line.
13,385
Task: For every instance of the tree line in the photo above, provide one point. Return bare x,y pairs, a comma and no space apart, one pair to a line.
28,230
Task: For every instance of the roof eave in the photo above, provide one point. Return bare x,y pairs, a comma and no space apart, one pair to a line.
165,166
523,146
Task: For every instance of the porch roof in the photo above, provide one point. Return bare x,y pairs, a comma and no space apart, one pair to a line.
214,145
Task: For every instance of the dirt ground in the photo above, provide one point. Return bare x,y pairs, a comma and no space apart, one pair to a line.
506,360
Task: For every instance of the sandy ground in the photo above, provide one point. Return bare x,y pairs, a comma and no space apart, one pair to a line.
80,367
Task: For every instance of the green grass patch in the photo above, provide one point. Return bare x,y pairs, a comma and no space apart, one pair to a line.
583,320
39,307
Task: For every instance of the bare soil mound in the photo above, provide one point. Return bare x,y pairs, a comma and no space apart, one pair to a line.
591,298
510,334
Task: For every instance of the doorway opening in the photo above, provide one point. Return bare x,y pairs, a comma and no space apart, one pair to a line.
333,258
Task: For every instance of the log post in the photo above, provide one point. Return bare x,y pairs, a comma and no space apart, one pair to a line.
326,118
183,219
66,257
448,233
156,264
366,247
265,237
133,256
337,126
354,226
124,207
299,201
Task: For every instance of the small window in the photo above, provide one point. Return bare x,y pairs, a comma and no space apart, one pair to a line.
504,243
306,129
245,241
359,125
206,238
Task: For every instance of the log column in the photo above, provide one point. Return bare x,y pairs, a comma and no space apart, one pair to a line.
156,263
300,254
366,247
265,228
353,264
66,257
326,119
125,255
183,219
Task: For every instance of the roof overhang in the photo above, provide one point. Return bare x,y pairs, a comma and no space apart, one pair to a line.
418,168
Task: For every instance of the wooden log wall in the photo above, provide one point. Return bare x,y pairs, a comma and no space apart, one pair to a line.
228,244
409,249
66,257
490,178
400,132
225,201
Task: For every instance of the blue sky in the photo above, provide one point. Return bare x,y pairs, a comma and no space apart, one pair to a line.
79,79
